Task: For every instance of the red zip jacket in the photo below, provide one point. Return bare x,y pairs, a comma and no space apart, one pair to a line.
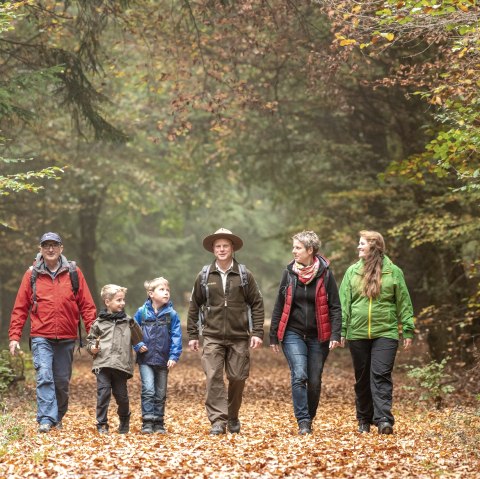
56,314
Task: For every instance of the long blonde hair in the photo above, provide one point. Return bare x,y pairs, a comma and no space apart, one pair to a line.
372,268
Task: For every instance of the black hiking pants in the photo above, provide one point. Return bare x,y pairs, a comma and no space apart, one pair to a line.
373,361
111,381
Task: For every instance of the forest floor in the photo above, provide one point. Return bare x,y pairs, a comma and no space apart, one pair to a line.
426,443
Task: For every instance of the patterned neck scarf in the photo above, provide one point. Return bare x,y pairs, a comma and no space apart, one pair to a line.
306,273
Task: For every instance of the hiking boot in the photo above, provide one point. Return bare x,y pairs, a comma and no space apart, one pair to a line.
385,427
363,427
233,426
158,427
44,427
124,426
147,427
102,428
304,427
59,425
217,429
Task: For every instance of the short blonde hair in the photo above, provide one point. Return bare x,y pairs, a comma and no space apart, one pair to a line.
309,239
110,290
152,284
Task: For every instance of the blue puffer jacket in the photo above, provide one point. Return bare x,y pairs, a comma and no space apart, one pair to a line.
162,337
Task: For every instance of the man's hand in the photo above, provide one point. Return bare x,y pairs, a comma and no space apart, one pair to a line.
14,347
193,345
256,342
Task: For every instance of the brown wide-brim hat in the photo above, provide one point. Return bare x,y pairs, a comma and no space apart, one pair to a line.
222,233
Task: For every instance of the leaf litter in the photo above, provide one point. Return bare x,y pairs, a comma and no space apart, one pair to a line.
426,444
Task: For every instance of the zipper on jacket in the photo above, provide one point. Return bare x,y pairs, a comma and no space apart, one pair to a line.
306,311
370,319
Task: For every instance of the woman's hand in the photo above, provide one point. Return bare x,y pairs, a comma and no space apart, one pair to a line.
275,348
334,344
407,344
342,342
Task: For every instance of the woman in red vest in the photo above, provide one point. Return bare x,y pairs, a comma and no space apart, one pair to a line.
307,320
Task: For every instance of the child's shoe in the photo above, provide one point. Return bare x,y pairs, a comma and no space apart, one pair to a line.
147,427
158,427
124,426
102,428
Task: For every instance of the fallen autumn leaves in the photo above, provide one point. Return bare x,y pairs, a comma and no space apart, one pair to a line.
426,444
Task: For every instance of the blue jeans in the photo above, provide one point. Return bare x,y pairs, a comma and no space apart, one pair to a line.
306,358
52,359
154,392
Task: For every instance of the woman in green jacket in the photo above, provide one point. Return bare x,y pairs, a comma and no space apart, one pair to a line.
374,300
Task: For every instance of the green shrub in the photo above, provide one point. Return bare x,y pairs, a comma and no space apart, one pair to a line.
11,370
432,378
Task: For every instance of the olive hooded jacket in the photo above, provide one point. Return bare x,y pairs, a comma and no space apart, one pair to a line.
370,318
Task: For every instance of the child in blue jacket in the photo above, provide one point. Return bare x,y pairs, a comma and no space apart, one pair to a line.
162,336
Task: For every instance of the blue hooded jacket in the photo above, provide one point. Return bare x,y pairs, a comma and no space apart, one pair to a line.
162,336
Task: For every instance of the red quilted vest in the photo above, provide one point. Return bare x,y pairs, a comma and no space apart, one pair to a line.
324,326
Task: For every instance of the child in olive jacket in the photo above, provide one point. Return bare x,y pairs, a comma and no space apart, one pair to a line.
110,342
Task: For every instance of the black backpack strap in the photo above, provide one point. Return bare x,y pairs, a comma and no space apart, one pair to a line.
205,307
243,277
33,284
72,271
204,284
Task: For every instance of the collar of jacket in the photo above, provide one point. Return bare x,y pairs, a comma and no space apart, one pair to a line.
41,267
386,265
324,263
166,308
235,268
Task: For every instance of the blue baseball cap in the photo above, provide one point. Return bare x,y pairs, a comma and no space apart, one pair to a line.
51,237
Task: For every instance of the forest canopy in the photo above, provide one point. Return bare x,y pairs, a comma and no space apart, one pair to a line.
136,128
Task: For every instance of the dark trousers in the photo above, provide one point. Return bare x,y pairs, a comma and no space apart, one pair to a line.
110,381
373,361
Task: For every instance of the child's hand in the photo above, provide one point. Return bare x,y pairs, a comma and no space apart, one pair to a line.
95,350
143,349
171,363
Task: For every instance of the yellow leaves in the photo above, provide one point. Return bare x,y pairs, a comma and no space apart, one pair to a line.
343,41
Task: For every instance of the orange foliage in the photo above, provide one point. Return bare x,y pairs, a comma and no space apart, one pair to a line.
425,443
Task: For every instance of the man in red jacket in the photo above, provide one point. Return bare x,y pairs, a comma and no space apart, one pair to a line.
54,309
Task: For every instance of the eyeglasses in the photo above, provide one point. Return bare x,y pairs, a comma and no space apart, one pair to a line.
51,246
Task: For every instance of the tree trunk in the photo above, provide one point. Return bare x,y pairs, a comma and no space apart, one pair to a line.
88,220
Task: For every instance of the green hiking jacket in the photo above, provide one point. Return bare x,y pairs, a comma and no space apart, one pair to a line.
365,318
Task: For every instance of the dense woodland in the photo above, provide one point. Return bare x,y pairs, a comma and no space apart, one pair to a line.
135,128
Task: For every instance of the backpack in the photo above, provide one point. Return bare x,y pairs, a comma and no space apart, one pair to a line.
205,308
73,273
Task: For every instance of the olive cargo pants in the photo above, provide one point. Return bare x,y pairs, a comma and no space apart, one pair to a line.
233,357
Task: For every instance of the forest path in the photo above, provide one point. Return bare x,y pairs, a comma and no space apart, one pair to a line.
426,443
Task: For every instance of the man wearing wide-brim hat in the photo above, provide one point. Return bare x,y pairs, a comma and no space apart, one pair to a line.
226,306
